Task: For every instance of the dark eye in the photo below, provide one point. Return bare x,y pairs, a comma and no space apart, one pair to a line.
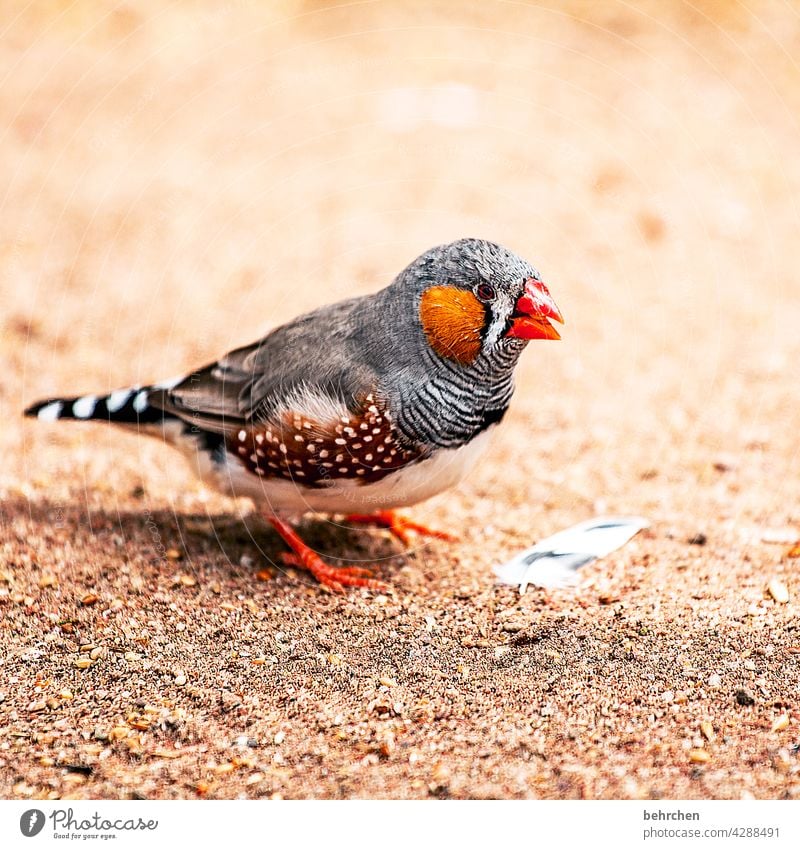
486,292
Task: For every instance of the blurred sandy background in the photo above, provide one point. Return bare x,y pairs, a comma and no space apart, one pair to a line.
179,177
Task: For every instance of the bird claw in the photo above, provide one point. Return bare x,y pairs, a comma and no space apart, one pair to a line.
400,526
332,577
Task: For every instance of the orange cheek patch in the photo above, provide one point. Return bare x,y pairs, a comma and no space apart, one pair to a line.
452,319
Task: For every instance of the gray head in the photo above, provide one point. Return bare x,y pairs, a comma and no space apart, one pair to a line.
456,321
475,300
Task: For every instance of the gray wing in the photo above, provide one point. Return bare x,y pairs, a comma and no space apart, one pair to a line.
320,350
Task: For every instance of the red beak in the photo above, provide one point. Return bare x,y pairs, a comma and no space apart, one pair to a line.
532,311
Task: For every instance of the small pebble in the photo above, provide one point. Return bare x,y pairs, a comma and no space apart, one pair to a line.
744,697
180,679
714,681
35,707
698,539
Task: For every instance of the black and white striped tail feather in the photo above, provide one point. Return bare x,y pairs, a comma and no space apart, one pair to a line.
123,406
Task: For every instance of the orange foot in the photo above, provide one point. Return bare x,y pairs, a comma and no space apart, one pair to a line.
334,578
398,525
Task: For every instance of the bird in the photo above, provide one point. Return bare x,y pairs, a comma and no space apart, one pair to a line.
359,407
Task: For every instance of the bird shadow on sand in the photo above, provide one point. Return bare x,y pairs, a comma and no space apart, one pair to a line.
241,542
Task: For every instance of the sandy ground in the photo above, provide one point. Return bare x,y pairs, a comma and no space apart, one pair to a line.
176,178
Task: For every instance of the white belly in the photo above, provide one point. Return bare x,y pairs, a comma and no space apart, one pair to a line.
417,482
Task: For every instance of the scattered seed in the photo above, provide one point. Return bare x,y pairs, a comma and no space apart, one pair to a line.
89,599
224,769
187,581
264,575
119,732
781,723
132,656
173,554
699,756
387,682
779,536
388,745
180,679
279,738
83,662
441,774
48,580
707,730
778,591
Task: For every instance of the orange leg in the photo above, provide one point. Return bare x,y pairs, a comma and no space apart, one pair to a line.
334,578
398,525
